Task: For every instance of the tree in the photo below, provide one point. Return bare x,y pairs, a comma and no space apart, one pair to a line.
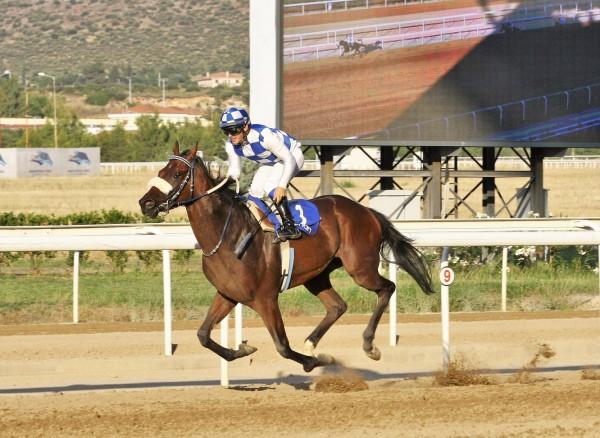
114,75
114,145
72,133
148,143
12,98
95,73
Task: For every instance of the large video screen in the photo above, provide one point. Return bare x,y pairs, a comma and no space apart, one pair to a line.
456,70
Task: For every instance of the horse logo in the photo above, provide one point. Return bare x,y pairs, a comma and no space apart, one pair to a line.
79,158
42,158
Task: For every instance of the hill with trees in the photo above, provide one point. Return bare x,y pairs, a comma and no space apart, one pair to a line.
102,41
94,49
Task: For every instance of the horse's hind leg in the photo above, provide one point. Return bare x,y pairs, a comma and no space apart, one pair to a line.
384,294
321,287
365,273
219,309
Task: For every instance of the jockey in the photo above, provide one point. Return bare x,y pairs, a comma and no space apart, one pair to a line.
280,158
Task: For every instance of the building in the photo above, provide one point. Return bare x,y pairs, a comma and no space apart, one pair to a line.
127,118
167,114
221,78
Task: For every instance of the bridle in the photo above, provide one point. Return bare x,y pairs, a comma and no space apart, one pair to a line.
172,202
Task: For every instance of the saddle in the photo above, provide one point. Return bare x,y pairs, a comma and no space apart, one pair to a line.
304,212
306,218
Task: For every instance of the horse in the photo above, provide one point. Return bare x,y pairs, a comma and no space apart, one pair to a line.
350,235
348,47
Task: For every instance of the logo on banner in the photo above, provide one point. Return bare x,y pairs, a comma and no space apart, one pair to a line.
2,161
79,158
42,158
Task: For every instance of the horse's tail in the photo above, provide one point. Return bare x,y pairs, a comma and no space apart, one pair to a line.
406,255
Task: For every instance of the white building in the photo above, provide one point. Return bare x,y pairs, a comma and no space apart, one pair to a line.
221,78
167,114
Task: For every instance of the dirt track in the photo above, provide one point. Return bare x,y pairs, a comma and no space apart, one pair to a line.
113,380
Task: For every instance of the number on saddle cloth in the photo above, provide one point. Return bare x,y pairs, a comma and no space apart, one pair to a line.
305,213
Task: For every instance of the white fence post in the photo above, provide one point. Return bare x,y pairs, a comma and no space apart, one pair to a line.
167,301
393,307
224,342
446,278
238,324
504,275
76,287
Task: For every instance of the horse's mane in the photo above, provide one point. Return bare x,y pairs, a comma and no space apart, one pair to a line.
227,191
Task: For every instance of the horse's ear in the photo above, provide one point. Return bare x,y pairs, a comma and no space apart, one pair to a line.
176,148
193,152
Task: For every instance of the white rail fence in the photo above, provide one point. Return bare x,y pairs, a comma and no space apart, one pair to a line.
326,6
566,162
426,233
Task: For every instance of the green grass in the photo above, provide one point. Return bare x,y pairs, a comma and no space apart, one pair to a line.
136,294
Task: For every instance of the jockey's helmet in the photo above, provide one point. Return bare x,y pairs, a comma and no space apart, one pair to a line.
234,116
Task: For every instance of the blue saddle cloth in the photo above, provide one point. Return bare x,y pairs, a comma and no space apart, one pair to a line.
304,212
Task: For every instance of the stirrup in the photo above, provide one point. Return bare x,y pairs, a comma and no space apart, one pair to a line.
284,234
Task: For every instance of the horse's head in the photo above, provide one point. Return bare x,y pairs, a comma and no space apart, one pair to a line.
168,187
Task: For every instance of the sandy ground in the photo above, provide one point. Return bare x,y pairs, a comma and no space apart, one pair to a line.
531,374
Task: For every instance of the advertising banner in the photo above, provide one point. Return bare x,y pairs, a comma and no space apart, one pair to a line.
21,162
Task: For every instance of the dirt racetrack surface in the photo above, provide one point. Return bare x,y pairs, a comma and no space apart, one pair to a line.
511,374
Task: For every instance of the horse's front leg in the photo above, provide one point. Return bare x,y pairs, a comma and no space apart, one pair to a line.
271,316
219,309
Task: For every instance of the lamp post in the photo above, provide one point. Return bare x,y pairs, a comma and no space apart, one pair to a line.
163,80
26,82
6,72
54,94
129,90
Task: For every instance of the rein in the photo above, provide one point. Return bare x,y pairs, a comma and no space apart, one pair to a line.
172,203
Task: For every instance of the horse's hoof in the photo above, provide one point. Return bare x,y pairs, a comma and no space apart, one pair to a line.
324,360
374,354
246,349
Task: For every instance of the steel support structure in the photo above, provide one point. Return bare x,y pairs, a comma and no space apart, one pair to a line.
439,169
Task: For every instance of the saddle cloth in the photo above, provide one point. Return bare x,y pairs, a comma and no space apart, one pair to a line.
304,212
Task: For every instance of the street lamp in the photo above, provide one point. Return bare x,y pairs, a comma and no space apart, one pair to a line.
129,90
163,80
26,82
6,72
54,94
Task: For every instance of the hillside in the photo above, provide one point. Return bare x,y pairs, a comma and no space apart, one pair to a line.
176,38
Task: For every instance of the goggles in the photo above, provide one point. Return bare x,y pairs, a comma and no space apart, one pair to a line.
232,130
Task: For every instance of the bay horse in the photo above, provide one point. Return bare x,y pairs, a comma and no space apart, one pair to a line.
347,47
349,235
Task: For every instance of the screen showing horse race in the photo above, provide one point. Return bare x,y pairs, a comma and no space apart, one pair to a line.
451,70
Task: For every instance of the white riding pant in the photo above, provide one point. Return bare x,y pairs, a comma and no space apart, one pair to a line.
266,179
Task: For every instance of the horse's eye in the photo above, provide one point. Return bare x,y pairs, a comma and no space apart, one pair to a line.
178,174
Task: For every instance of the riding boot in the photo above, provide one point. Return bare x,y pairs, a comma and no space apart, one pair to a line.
288,230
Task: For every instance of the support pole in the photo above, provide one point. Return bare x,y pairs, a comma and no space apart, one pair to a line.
167,301
224,342
75,287
393,307
504,275
238,325
446,278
